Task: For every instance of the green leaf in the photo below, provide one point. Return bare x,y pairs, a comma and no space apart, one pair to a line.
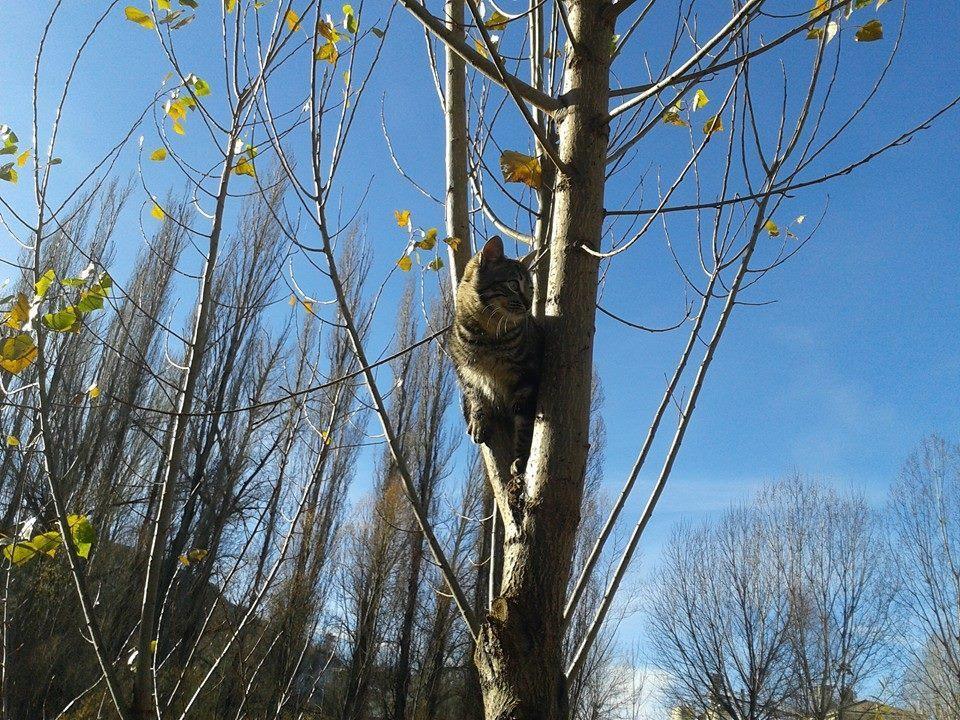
9,174
435,264
190,3
378,32
201,87
83,533
47,543
20,553
66,320
350,23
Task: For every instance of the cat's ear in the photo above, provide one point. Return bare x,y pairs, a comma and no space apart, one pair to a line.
528,260
492,251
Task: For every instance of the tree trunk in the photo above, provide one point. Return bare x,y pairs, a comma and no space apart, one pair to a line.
519,654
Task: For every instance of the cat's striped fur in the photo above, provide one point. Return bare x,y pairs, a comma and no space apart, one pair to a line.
496,347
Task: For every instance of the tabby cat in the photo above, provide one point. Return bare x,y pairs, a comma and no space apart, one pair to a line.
496,347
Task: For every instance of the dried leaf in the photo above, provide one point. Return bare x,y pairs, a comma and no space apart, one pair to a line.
520,168
403,217
714,124
871,32
671,116
19,313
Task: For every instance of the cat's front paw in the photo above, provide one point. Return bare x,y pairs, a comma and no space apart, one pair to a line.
478,428
518,467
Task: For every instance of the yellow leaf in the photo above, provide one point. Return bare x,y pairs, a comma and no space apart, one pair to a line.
429,240
497,21
403,217
700,99
293,20
178,128
163,4
159,155
19,314
308,306
405,263
244,167
714,124
293,300
175,109
17,353
22,160
93,391
326,437
229,5
153,646
481,48
771,227
327,51
157,212
13,441
517,167
819,7
453,242
881,3
138,16
870,32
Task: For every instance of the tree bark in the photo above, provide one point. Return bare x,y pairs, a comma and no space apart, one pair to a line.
519,654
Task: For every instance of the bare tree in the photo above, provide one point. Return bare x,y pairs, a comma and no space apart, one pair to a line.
925,502
720,618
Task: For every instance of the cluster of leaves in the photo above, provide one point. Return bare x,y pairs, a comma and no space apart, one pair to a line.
871,31
420,239
175,19
672,116
179,104
9,145
18,351
329,32
24,548
773,230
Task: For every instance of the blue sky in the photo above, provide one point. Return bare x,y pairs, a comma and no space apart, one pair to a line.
858,358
